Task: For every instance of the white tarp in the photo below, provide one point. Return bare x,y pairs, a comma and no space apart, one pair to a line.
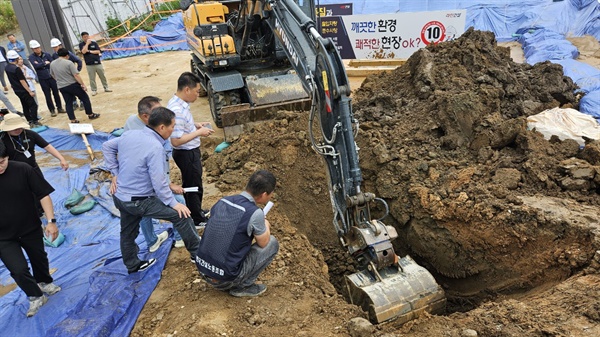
566,124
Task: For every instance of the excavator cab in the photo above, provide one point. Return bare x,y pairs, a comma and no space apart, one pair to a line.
243,68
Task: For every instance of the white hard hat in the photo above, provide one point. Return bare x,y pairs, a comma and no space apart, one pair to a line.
55,42
34,44
12,55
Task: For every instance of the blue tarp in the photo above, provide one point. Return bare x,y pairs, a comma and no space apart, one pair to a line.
541,44
168,34
503,17
98,297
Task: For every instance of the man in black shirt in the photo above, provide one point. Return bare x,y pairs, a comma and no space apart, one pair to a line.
21,88
91,55
20,229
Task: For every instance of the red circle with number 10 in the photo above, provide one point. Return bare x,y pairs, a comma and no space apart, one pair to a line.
433,32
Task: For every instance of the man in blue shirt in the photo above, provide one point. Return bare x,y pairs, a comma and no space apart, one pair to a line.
19,47
141,189
139,121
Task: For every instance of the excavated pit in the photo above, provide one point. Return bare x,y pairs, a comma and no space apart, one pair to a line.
487,206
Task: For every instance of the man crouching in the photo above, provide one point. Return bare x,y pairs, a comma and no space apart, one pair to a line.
226,257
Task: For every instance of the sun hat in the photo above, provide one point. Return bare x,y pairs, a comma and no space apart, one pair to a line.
12,122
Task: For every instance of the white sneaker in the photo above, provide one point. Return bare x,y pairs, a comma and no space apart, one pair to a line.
179,244
35,303
94,93
49,288
160,238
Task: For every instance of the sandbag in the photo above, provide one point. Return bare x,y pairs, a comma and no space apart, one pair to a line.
57,242
117,132
83,207
74,198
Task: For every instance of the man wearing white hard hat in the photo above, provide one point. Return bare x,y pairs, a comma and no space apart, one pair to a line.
21,88
56,45
41,62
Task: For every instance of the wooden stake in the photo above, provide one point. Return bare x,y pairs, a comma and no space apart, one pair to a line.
88,146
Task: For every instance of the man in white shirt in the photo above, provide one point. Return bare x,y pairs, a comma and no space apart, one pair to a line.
186,142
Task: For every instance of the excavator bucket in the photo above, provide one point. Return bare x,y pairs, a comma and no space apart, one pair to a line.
268,94
402,293
275,89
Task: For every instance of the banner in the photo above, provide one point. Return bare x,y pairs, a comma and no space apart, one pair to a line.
395,35
334,10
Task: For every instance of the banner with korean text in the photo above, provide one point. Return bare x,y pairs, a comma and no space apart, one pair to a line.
395,35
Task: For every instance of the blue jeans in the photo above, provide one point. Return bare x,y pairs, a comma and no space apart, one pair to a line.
256,261
147,226
131,214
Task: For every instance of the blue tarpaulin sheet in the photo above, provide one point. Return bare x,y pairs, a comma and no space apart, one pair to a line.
503,17
541,44
98,297
168,34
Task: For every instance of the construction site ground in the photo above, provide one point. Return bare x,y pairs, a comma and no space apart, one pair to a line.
506,221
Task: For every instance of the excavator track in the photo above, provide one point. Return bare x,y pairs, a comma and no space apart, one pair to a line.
220,100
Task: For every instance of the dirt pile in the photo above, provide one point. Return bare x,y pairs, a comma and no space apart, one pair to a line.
488,206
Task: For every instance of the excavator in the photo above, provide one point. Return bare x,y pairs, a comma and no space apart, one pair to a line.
386,286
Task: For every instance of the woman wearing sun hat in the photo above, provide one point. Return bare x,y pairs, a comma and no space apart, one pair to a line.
20,142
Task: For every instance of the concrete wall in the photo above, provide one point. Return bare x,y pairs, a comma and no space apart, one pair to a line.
42,20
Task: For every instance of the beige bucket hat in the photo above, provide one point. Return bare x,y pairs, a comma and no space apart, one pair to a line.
13,121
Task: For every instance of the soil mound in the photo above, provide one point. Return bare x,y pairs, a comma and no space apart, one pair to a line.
475,196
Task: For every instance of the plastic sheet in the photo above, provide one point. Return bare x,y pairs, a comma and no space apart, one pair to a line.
503,17
168,34
565,124
98,297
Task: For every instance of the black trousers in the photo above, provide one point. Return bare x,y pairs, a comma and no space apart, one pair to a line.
30,107
69,93
190,165
14,260
50,88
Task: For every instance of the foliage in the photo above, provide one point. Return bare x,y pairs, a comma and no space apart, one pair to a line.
8,20
148,25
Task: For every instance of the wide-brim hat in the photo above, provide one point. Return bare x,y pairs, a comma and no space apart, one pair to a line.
13,121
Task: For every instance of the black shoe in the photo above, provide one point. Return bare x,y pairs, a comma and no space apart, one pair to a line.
61,110
143,266
250,291
93,116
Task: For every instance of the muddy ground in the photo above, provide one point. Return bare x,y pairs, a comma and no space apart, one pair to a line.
506,221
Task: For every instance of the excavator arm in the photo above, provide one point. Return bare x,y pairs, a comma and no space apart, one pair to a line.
387,286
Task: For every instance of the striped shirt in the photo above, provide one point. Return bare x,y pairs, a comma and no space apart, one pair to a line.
184,122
